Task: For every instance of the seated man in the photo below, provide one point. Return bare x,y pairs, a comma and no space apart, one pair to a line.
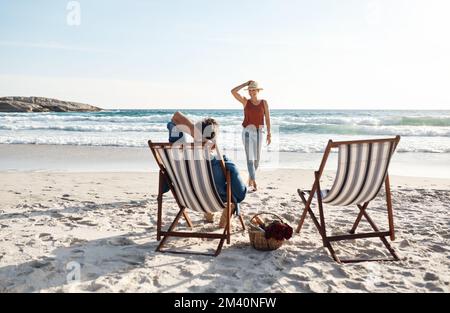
207,129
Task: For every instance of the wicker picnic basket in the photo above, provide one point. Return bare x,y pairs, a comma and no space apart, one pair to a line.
257,235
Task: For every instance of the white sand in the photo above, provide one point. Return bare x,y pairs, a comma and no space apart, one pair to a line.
51,223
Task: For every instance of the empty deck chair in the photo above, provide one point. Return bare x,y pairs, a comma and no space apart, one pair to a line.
186,168
362,170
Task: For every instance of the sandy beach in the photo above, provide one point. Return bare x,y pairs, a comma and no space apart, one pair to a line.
69,231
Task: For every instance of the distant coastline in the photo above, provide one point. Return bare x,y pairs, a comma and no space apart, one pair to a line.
42,104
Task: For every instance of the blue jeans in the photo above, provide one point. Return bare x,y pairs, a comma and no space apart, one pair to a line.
238,188
252,139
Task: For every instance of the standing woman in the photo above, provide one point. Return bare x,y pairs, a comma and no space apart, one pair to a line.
255,112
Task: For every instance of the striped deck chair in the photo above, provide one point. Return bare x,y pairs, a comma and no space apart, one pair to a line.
362,170
187,170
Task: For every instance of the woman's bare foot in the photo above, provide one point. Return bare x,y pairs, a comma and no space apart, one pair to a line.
251,185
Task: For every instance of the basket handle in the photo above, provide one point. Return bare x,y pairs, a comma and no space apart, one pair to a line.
267,213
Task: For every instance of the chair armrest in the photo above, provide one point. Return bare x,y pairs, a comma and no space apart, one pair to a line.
228,180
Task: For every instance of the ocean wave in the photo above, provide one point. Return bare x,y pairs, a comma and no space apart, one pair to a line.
295,131
298,145
88,128
312,149
286,128
236,116
365,130
288,119
365,120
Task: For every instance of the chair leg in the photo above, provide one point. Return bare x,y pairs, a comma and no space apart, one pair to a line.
170,232
358,219
242,221
320,229
311,213
328,244
188,220
307,207
219,247
228,226
222,241
333,253
171,227
389,208
364,213
383,239
159,211
159,218
321,214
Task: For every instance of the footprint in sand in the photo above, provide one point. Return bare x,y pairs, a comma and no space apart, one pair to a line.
120,241
439,248
76,241
430,277
156,281
87,223
355,285
39,264
45,237
74,218
77,253
433,287
404,243
134,260
94,286
186,273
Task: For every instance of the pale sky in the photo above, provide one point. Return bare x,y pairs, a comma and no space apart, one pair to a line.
326,54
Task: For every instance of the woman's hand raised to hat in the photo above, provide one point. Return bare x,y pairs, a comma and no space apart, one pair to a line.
250,82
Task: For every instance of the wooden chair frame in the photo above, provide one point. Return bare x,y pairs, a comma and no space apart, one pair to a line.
321,227
161,235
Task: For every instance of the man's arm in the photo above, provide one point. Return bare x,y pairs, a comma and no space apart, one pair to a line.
183,123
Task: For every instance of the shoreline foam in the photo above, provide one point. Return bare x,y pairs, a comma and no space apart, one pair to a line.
123,159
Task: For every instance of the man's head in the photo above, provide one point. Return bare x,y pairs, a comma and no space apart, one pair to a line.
210,129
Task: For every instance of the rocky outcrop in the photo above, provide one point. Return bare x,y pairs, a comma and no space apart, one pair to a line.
40,104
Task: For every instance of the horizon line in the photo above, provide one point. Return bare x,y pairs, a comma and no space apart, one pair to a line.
275,109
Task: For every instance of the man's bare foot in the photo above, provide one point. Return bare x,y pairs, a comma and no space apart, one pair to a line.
255,187
209,217
223,218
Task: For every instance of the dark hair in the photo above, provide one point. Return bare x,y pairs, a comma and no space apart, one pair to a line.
211,124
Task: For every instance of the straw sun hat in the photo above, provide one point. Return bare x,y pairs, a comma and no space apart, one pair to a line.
254,86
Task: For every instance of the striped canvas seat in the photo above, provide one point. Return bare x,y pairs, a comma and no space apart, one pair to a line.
362,169
189,169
